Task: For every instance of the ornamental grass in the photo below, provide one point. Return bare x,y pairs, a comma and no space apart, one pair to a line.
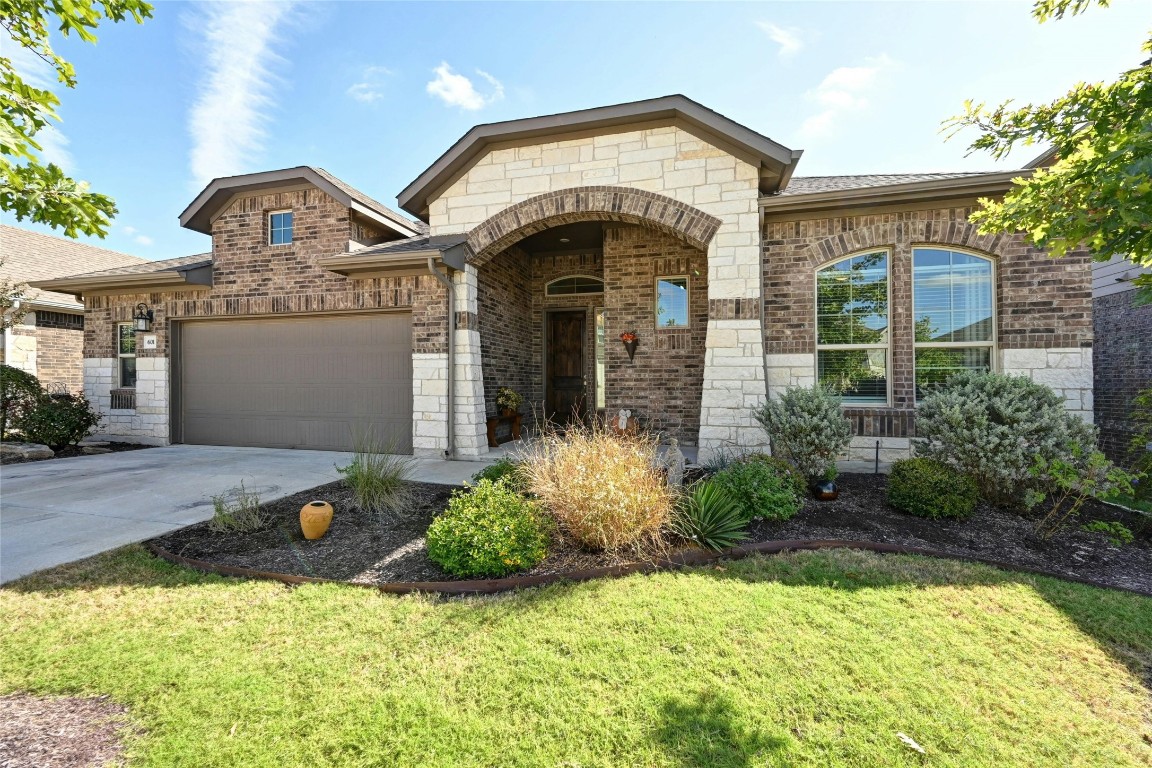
606,490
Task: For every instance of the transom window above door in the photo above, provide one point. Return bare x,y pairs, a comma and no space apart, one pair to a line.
574,285
852,327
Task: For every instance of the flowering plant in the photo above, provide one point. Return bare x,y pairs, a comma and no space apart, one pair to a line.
506,397
628,337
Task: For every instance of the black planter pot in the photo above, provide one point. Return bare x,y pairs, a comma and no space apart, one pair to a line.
825,490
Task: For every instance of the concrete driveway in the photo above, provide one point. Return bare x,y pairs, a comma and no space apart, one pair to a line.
60,510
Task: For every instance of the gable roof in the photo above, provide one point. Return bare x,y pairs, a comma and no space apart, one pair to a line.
32,256
776,161
199,214
824,193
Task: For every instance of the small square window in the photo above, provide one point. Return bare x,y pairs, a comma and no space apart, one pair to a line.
672,302
280,228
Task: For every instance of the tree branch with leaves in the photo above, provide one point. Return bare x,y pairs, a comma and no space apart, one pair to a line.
29,189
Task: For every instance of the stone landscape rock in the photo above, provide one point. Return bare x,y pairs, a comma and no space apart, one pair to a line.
29,451
92,450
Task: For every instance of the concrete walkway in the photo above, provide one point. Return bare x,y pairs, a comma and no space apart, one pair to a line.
60,510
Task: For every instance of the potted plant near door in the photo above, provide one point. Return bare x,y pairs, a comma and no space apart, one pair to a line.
508,400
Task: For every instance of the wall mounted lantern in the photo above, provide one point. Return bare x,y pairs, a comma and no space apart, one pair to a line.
143,317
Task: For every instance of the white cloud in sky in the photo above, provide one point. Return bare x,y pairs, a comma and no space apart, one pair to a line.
229,117
844,92
788,38
134,233
371,85
456,90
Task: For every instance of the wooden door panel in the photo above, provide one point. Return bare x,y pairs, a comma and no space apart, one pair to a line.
565,399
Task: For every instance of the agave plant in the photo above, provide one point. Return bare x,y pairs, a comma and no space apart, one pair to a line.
708,516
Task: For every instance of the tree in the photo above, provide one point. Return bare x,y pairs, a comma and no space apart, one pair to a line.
1098,193
11,296
28,188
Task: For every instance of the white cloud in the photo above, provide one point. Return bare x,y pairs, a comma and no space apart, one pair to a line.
229,118
143,240
788,38
456,90
371,85
54,147
846,91
134,233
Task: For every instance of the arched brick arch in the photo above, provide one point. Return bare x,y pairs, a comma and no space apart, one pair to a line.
567,206
901,235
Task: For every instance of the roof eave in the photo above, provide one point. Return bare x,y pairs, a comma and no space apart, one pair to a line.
918,191
414,197
198,277
365,266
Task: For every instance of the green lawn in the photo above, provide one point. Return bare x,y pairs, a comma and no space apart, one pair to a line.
803,659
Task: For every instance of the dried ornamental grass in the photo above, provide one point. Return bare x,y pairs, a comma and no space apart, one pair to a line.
605,490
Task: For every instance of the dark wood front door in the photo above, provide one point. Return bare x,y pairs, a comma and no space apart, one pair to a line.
564,387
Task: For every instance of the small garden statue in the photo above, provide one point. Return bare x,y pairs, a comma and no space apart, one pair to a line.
622,419
674,460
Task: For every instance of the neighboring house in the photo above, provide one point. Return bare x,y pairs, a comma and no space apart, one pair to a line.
48,338
1122,354
320,313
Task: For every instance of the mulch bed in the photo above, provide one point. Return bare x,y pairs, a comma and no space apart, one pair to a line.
366,550
67,453
41,732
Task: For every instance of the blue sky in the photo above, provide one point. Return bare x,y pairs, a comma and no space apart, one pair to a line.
375,92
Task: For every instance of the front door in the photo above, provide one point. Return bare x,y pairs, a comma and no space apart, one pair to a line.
564,376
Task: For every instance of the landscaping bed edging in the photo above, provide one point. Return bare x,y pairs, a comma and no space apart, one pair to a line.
675,562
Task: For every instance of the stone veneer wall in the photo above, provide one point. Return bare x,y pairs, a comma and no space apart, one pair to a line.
1044,312
673,162
1122,367
253,279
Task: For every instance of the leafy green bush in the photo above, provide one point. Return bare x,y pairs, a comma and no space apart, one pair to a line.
1065,483
504,469
488,530
784,469
932,489
709,516
378,477
237,511
19,392
759,490
1139,449
603,488
992,427
807,428
1116,532
58,421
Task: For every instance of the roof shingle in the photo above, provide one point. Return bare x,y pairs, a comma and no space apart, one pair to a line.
810,185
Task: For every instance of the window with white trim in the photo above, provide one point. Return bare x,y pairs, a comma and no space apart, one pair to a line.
953,311
574,285
280,228
672,302
852,327
125,355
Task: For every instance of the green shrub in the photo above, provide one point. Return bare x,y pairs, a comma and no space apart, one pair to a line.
378,477
807,428
759,490
504,469
992,427
1065,483
604,489
708,516
932,489
19,392
488,530
237,511
1139,449
784,469
58,421
1116,532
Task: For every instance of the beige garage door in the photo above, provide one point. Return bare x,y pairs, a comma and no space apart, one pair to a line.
297,382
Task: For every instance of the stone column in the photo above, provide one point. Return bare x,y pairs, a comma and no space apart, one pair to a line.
468,410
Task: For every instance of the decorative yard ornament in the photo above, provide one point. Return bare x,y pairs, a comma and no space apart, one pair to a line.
630,343
622,420
674,460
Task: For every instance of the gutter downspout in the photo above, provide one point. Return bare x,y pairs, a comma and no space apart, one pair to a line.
446,281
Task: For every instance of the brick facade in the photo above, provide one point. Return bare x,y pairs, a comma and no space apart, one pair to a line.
1042,304
60,349
1122,365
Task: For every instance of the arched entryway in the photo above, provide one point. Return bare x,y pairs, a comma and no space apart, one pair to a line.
562,275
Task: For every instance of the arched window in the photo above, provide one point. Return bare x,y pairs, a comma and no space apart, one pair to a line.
574,285
953,311
852,327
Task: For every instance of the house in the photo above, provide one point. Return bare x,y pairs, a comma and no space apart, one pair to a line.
319,313
1122,356
48,338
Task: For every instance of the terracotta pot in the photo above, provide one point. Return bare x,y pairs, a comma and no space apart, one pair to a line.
507,411
315,517
825,490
